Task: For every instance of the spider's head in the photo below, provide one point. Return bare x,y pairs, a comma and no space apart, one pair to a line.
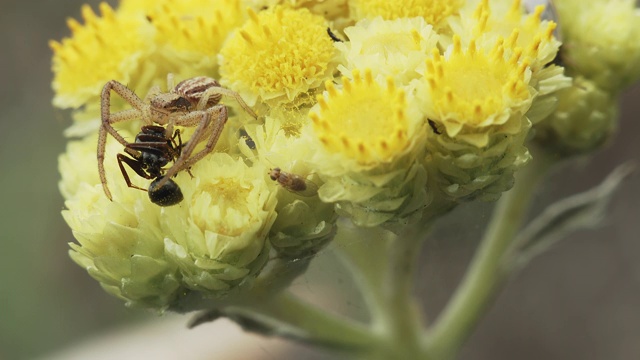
170,103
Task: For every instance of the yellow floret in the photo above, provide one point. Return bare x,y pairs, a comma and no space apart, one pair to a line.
487,22
474,89
388,47
193,31
277,55
433,11
329,9
104,48
364,121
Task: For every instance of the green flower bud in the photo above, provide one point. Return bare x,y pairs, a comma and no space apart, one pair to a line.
601,41
466,172
584,120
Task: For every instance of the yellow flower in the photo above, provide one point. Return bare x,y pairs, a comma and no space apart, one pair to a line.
433,11
369,137
192,32
365,123
277,55
476,92
486,23
477,99
394,48
104,48
330,9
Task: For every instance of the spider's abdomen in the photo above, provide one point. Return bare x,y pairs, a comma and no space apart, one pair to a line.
194,89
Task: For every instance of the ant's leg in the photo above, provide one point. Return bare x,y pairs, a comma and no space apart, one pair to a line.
224,92
185,153
221,115
133,164
178,147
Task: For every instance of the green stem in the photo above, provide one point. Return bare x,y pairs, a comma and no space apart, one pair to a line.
298,319
383,266
404,317
485,273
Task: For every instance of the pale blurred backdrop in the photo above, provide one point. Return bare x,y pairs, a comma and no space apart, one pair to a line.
579,301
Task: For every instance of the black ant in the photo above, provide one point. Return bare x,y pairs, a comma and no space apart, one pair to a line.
150,152
434,127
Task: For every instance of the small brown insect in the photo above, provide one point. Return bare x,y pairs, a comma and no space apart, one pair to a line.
294,183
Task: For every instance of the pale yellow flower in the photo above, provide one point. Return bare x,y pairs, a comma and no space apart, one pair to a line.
192,33
396,48
433,11
329,9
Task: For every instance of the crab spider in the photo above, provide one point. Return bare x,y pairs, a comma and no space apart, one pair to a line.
193,102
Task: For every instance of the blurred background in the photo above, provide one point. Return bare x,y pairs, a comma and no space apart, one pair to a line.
579,301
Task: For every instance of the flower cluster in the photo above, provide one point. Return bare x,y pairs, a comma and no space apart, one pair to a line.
383,112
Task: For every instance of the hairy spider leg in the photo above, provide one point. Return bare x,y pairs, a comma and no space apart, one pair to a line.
108,119
170,81
224,92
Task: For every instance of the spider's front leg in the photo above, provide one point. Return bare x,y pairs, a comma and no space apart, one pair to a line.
214,90
211,120
107,119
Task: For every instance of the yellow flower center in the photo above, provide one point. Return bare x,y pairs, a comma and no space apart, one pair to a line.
229,211
473,87
433,11
277,52
364,121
